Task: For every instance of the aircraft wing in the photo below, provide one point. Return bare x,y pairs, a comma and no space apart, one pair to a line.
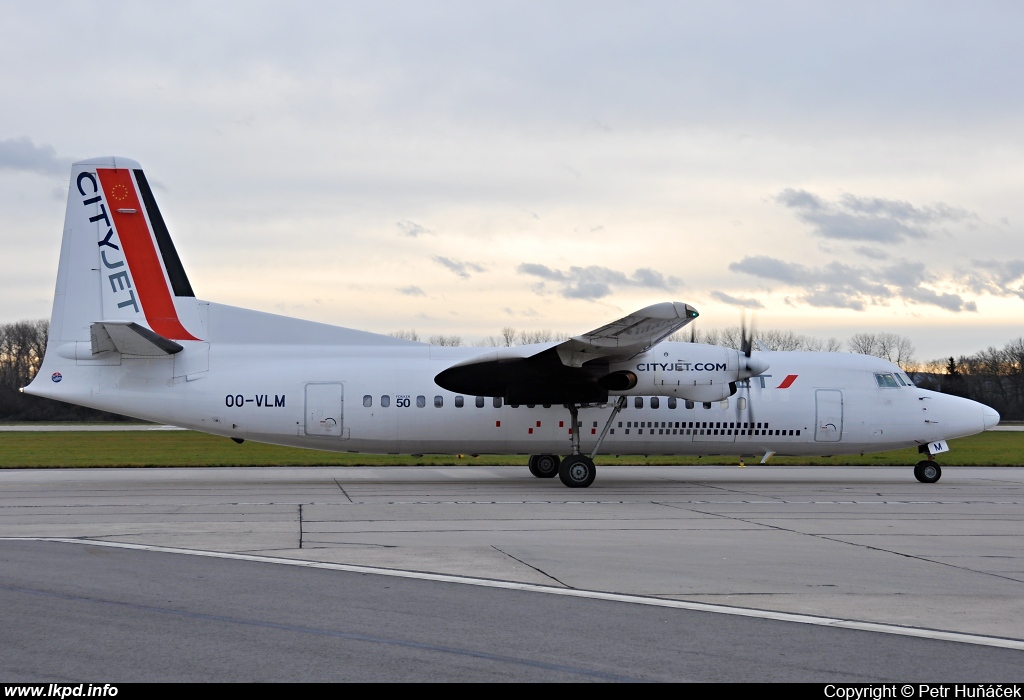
629,336
129,338
569,371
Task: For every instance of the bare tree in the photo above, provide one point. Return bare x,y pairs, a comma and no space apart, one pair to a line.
22,345
508,336
447,340
406,335
864,343
534,337
889,346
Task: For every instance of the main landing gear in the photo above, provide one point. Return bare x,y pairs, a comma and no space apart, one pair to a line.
576,471
927,471
544,466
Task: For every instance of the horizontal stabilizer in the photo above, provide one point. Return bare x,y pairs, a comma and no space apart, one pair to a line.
129,338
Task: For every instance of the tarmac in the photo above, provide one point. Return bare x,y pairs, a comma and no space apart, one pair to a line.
864,544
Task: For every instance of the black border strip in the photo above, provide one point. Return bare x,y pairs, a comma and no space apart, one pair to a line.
172,263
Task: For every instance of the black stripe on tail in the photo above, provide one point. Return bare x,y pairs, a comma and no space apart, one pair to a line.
172,263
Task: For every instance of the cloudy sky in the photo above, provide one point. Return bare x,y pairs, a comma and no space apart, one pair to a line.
455,167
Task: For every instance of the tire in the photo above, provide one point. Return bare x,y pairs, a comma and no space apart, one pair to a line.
577,471
927,472
546,465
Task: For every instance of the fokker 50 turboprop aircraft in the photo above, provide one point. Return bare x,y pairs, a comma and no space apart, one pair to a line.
128,335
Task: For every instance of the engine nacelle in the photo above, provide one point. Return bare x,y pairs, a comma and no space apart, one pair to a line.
690,371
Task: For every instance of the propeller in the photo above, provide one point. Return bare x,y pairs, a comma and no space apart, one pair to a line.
746,339
749,367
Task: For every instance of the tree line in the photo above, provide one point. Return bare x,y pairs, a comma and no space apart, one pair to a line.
994,376
22,345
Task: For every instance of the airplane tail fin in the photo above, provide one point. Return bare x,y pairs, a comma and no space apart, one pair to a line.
117,261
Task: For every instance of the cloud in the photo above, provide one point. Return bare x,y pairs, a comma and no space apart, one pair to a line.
840,286
997,277
869,218
595,282
734,301
22,154
412,291
873,253
412,229
459,267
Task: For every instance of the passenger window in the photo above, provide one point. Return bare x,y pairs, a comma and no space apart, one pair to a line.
707,404
459,402
886,381
655,403
690,404
638,402
385,401
497,402
438,401
672,402
367,401
421,401
479,401
724,403
741,403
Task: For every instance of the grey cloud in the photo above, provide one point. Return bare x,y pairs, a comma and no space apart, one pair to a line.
950,302
412,291
833,299
542,271
849,287
873,253
997,277
459,267
734,301
595,282
770,268
412,229
868,218
22,154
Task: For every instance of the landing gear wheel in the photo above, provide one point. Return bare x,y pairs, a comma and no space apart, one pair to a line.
927,471
544,466
577,471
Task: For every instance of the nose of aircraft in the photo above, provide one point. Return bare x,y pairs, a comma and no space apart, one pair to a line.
991,417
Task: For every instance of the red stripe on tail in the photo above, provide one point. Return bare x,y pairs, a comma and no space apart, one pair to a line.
140,252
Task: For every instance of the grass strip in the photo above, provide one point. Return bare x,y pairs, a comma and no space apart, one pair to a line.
191,449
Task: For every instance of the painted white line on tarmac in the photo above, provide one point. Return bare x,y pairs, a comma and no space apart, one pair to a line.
923,633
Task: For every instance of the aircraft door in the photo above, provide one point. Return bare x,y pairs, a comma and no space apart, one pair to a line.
324,410
829,425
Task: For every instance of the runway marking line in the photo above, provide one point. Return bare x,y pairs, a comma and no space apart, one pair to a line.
921,632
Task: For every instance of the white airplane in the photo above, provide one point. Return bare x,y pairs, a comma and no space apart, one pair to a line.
128,335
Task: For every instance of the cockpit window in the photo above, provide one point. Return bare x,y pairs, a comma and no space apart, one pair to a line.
907,379
886,381
900,379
